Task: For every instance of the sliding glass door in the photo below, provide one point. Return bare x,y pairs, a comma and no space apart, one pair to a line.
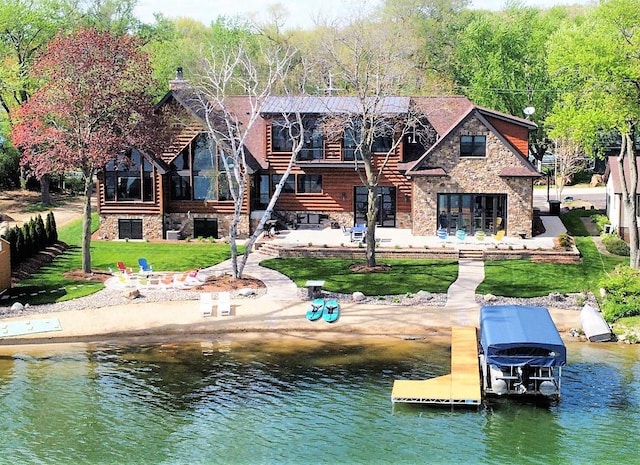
472,212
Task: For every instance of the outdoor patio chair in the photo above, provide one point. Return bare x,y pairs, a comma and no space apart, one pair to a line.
144,266
166,281
461,235
480,236
122,267
499,236
224,303
206,304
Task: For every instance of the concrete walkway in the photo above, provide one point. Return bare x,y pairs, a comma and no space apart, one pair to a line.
461,296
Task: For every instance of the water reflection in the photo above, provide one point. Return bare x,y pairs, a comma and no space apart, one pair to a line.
299,401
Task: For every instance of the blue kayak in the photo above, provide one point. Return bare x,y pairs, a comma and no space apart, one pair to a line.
331,311
316,310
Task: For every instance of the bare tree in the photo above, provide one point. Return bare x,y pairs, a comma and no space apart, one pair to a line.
371,62
230,91
570,159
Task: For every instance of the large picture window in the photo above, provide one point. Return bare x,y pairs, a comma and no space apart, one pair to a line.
472,212
473,146
199,172
129,179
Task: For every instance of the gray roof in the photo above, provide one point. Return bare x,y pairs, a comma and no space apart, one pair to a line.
329,105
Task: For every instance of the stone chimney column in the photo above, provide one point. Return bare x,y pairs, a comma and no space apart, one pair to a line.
179,82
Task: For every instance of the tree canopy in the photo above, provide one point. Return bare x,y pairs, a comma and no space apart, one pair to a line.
93,105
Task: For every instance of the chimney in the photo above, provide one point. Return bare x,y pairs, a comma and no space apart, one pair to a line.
179,82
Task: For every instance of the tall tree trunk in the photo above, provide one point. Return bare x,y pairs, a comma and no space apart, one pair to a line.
86,224
372,209
45,193
628,184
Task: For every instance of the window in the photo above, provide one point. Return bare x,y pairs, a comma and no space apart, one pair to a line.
280,139
382,144
473,146
289,185
313,144
181,177
350,140
353,137
205,227
261,193
309,183
204,163
129,229
199,172
130,180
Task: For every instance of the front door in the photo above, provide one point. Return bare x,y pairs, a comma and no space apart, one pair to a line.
386,206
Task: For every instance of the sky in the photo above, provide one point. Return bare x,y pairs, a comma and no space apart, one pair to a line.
302,13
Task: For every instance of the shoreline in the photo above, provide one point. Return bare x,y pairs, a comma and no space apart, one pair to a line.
181,320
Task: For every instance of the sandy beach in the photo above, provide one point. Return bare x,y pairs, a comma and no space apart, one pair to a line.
258,317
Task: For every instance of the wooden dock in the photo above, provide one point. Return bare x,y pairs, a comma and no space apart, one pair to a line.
461,387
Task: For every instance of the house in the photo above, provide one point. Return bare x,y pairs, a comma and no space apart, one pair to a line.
615,209
470,173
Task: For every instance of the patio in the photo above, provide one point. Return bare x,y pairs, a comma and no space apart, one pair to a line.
402,238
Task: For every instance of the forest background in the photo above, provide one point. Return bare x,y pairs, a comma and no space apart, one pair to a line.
498,59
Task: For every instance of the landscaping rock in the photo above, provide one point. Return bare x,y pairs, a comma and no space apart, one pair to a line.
424,295
556,297
131,294
247,291
17,307
358,296
489,298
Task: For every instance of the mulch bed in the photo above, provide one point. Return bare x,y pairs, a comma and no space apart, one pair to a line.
363,268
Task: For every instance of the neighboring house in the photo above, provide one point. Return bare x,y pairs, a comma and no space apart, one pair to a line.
473,174
5,265
615,210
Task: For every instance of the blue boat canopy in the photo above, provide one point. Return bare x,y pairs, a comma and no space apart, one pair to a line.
516,335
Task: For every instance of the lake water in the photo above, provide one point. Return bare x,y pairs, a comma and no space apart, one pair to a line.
299,401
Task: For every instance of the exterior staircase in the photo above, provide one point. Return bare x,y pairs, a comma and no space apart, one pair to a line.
268,248
471,254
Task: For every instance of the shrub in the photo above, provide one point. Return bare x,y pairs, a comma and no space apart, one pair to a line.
600,220
623,293
51,228
565,241
615,245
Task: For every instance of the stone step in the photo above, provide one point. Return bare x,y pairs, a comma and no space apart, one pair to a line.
471,254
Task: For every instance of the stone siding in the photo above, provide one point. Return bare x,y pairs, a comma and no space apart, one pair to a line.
473,175
154,229
151,226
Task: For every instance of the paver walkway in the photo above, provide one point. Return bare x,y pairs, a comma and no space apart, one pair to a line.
461,296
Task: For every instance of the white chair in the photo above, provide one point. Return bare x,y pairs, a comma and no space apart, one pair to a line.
224,303
206,304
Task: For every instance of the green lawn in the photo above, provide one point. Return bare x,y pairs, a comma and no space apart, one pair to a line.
405,277
509,278
513,278
50,285
521,278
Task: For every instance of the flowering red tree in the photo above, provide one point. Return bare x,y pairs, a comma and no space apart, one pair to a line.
93,105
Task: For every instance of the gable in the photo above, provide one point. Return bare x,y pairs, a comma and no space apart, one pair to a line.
190,121
511,133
